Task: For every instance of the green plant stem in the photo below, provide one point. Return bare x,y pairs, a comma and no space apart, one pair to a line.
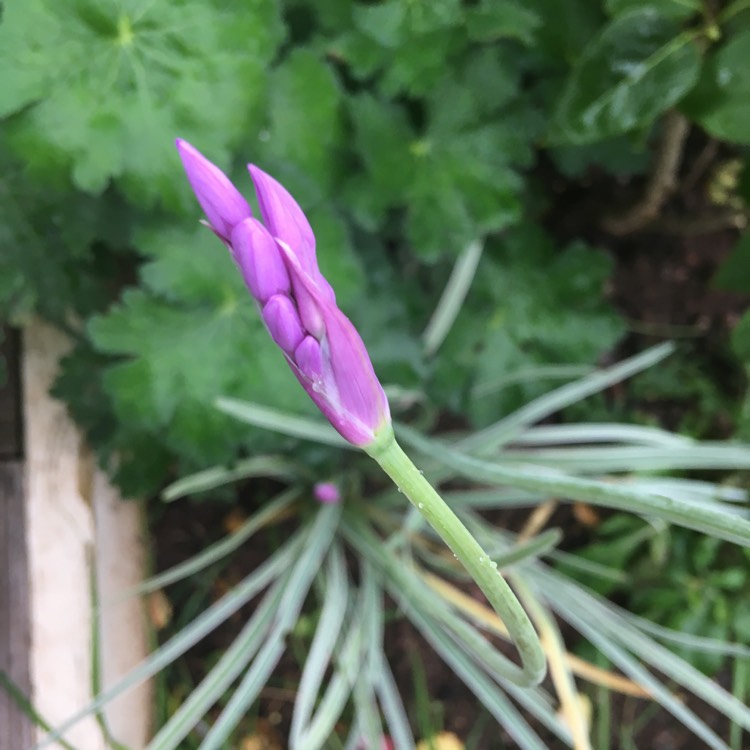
399,467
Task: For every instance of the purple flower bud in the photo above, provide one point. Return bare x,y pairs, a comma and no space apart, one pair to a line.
309,360
348,391
284,218
220,200
286,221
259,259
308,307
298,305
281,317
327,492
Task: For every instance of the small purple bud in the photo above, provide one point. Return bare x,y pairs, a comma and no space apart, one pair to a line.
219,198
260,260
327,492
309,311
281,318
309,359
348,392
284,218
286,221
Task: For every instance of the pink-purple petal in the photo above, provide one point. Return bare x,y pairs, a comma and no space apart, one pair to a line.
309,359
327,492
260,260
309,311
358,387
284,218
353,390
283,323
220,200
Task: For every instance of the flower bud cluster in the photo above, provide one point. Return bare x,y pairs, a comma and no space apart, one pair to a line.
278,264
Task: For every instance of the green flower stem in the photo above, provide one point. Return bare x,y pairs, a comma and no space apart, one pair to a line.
399,467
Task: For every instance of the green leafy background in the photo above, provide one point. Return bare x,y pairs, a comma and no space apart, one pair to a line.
407,130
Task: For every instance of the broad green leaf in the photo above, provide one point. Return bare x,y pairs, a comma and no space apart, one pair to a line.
465,182
102,89
393,22
338,261
483,91
178,361
305,123
191,335
506,326
383,135
721,101
408,42
637,67
451,202
502,19
419,65
51,258
333,15
382,22
188,265
675,9
566,28
361,54
458,179
424,16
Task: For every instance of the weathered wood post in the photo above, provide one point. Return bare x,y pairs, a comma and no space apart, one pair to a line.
67,541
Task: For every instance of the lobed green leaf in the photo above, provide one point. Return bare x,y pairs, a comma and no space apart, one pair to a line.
104,89
720,100
637,67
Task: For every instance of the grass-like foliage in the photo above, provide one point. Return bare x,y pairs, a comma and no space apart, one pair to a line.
348,563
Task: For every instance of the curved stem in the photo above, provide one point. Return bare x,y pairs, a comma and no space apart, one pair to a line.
560,669
399,467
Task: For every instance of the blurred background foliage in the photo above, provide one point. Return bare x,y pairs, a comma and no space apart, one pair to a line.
406,128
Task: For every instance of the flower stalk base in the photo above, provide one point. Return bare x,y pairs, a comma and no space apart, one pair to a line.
399,467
